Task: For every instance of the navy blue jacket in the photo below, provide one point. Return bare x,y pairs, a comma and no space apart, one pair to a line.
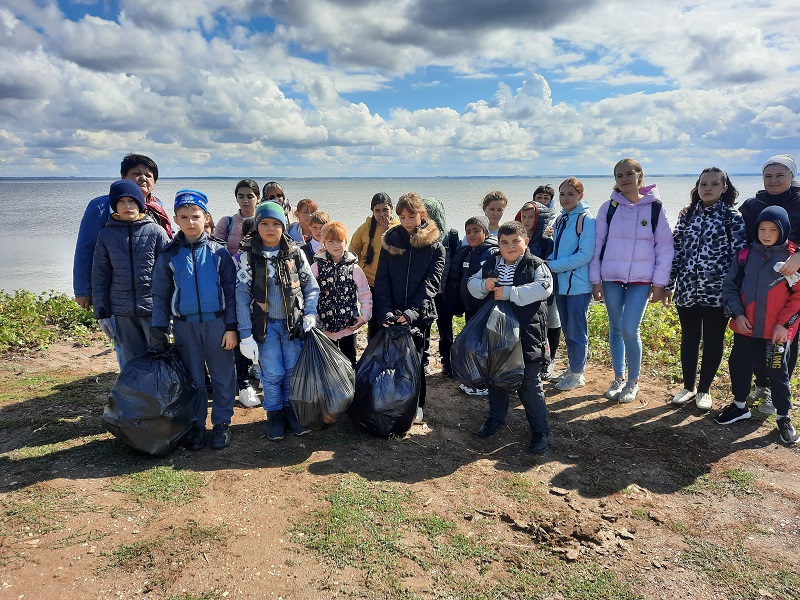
122,269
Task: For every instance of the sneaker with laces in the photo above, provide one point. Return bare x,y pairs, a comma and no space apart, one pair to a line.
628,393
571,381
767,407
683,397
560,376
787,431
489,427
548,371
248,397
703,401
221,436
539,443
419,417
731,414
196,439
760,393
615,389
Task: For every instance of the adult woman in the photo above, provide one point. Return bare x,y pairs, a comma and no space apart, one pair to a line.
707,236
229,228
273,191
631,265
367,241
781,188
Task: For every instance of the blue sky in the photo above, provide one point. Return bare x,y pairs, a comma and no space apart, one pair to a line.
306,88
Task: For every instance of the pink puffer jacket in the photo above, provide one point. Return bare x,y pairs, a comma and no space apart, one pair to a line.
633,253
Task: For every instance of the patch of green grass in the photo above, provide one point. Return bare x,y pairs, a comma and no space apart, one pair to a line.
212,595
733,572
737,482
434,525
29,452
515,485
679,527
640,514
161,484
28,321
593,581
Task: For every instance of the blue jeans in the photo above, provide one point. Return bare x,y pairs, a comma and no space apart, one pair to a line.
573,311
625,305
277,357
532,396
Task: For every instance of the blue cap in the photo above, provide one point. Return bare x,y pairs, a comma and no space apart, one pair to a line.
123,188
184,197
270,210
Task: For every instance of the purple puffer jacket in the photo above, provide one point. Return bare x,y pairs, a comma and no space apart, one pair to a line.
633,253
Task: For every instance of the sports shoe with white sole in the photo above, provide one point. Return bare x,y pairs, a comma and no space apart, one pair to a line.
703,401
767,407
419,417
731,414
683,397
248,397
628,393
571,381
787,431
615,389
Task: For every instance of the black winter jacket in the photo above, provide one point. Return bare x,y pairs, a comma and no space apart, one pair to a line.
409,273
466,262
752,207
122,269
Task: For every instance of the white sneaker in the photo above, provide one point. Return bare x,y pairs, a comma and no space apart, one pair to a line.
549,371
684,396
767,407
248,397
481,392
628,393
570,381
418,417
560,376
615,389
703,401
466,389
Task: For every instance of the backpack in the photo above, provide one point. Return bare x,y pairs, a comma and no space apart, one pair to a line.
655,213
229,221
578,228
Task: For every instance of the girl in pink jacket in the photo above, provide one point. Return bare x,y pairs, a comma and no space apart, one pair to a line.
631,266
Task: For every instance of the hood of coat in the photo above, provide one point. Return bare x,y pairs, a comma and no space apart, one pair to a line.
396,240
581,207
649,194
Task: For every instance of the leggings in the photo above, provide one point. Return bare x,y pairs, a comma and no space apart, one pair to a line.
707,323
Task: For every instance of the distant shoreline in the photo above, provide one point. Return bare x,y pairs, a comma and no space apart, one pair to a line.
273,177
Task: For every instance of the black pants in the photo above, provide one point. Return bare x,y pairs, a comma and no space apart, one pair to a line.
747,352
347,345
419,342
706,323
762,377
553,339
242,365
444,322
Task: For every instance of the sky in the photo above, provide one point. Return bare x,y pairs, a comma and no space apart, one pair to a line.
396,88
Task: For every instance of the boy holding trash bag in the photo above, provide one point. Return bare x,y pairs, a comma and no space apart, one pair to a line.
525,281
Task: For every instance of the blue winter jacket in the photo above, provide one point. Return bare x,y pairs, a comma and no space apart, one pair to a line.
194,282
122,268
571,254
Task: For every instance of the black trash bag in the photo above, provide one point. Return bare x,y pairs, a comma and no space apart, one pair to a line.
153,403
388,381
323,382
488,351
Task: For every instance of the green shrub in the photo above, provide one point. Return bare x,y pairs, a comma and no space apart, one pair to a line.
28,321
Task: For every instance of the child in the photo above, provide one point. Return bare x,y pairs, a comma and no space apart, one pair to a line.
409,272
318,220
708,235
300,232
343,288
525,281
467,261
573,249
126,251
535,218
493,205
193,282
229,228
276,300
444,318
766,311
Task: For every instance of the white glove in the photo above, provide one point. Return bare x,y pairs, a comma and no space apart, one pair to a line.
309,322
249,349
791,279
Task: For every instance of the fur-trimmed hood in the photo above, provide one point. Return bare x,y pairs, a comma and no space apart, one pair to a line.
396,240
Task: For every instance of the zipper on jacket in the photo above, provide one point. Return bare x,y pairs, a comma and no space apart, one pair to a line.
130,258
408,275
196,284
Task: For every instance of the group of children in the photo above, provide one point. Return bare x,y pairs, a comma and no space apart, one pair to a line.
245,295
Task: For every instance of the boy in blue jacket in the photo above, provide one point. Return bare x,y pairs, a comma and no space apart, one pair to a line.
524,280
194,283
122,270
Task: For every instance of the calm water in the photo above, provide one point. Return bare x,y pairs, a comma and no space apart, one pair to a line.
40,218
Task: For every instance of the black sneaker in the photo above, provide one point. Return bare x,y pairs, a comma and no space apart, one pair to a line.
196,440
221,436
731,414
538,443
489,427
787,431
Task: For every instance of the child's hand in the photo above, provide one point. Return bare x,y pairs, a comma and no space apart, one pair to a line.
490,283
656,294
498,292
229,340
743,324
548,231
597,291
666,298
780,334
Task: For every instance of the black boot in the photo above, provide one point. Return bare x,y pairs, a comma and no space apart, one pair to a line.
292,422
275,428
